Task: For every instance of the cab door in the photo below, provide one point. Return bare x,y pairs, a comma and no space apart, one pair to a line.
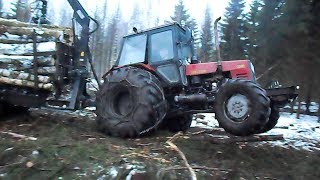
163,56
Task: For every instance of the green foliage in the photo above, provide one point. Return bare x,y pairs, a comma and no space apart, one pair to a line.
233,30
182,17
20,10
207,46
284,34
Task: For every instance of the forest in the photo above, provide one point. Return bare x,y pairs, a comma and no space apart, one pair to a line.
280,37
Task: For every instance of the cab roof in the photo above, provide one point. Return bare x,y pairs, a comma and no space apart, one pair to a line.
157,27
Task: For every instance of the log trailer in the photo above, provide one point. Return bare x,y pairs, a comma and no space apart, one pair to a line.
157,82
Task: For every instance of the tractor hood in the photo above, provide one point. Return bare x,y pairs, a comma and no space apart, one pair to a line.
236,68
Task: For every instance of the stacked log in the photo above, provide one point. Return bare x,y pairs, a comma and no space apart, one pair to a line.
17,56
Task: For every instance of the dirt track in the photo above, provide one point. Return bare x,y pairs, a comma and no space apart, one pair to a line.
69,147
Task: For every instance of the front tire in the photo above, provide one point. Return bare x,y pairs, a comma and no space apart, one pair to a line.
130,103
273,119
242,107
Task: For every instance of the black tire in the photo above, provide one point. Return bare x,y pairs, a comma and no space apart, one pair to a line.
242,107
178,123
130,103
12,110
2,111
273,119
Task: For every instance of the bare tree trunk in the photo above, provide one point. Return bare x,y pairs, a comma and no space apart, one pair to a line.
308,96
299,108
292,104
319,110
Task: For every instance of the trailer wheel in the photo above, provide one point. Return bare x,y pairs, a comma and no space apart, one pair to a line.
273,119
130,103
242,107
178,123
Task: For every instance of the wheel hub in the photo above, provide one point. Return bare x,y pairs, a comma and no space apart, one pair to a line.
122,104
237,107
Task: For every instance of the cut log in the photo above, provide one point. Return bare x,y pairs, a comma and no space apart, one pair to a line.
19,41
26,60
19,49
23,76
43,32
47,70
25,83
10,38
15,23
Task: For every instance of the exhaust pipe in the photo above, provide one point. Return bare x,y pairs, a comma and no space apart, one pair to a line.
217,42
191,98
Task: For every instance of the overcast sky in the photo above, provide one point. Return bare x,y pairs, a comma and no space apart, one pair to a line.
161,9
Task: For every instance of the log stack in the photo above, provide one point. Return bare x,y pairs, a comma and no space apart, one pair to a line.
18,65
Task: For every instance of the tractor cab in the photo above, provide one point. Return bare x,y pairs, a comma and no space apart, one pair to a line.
166,49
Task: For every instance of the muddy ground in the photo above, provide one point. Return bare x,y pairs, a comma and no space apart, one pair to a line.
67,146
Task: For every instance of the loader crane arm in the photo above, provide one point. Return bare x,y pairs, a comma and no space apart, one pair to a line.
80,57
81,41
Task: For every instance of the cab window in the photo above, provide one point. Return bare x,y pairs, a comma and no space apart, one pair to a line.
161,46
134,49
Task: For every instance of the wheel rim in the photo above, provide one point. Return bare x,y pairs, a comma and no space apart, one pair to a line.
122,103
237,107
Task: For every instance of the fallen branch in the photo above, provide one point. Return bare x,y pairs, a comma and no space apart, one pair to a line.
13,164
234,139
185,161
146,156
266,71
19,136
200,132
174,137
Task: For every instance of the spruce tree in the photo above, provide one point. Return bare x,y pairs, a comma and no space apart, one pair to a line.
233,31
207,46
251,32
264,39
20,10
182,17
298,25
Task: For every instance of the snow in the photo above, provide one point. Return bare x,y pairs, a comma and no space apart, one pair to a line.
303,133
26,48
313,106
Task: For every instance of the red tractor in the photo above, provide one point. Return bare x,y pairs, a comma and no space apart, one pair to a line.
158,83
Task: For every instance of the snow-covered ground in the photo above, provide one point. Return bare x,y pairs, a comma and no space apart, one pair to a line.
303,133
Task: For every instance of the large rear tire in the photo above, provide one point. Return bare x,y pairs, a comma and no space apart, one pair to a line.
242,107
130,103
178,123
273,119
